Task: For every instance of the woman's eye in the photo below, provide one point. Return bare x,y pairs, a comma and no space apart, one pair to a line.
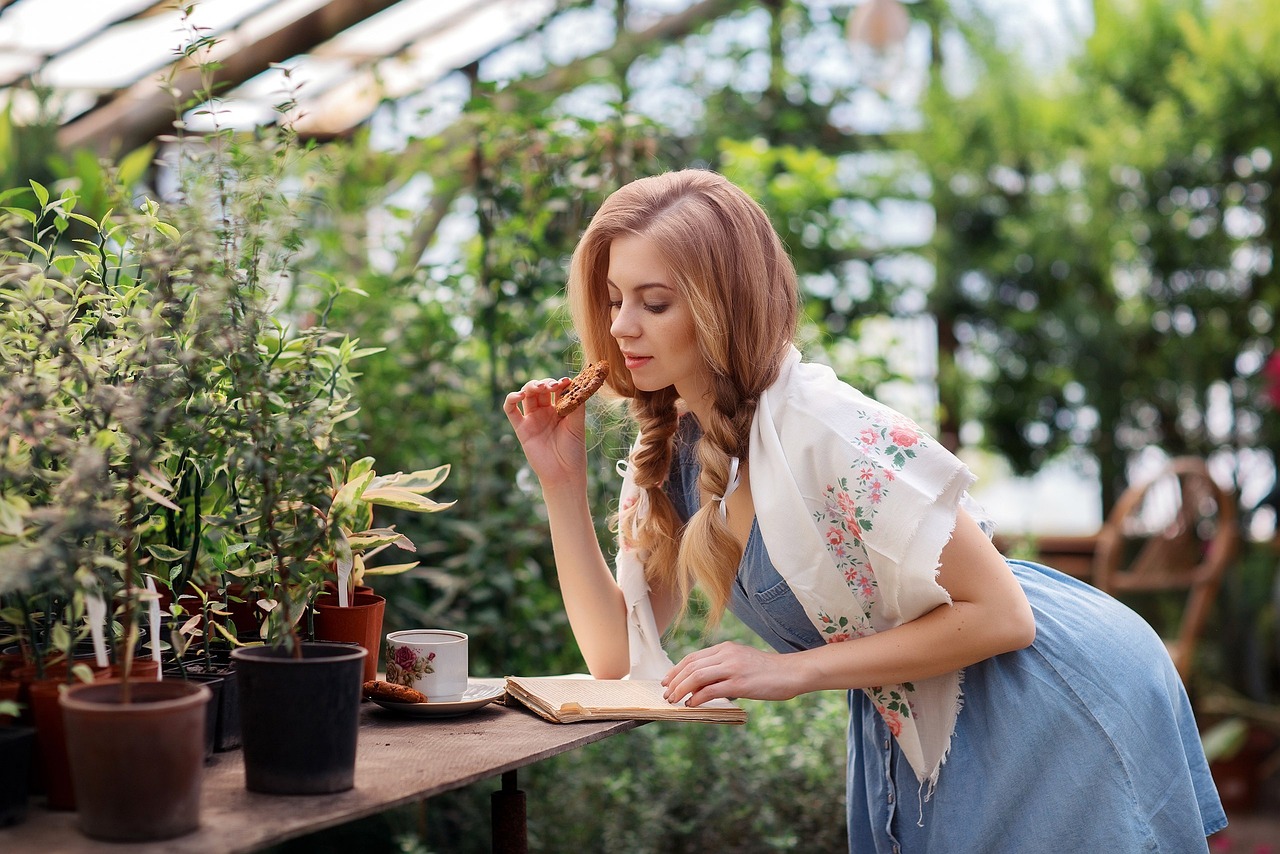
655,308
615,304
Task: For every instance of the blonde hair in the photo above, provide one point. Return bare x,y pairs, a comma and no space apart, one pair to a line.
727,261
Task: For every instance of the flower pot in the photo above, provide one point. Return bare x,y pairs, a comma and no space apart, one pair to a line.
51,769
16,747
219,674
299,717
142,670
331,588
160,730
360,622
214,684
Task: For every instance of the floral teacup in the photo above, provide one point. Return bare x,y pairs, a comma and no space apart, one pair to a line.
433,661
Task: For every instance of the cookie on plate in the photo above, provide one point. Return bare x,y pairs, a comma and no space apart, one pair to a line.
377,689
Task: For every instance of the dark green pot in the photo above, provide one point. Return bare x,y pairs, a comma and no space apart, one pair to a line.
299,718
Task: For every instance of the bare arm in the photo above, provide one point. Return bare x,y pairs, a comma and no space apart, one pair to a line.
556,452
989,615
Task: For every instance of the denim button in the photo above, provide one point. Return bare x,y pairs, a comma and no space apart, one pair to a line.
891,797
886,744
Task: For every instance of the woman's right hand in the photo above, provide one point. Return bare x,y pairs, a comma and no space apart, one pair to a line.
553,445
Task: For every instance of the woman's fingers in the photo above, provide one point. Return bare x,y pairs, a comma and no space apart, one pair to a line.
729,670
534,395
696,674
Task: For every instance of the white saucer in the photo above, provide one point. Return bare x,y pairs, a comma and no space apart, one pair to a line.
480,692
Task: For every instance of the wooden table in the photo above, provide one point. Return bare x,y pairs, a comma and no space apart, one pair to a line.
400,760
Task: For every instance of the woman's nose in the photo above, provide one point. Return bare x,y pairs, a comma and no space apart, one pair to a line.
622,326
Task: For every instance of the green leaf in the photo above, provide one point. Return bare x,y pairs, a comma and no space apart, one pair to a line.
29,216
421,482
376,537
166,553
42,195
390,569
34,246
403,499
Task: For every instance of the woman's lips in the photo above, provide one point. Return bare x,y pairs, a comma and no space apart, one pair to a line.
633,362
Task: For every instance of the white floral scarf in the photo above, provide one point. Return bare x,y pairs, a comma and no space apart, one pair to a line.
855,504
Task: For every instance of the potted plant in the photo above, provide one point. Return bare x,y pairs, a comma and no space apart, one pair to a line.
345,613
299,699
106,347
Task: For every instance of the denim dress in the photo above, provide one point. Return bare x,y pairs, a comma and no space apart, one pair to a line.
1082,743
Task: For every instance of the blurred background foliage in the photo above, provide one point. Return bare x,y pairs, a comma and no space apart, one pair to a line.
1091,245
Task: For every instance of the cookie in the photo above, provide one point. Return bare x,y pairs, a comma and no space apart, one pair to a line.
379,690
585,384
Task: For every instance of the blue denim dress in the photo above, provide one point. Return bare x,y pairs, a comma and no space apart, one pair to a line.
1082,743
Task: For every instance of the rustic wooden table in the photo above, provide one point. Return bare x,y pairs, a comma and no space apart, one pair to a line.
400,760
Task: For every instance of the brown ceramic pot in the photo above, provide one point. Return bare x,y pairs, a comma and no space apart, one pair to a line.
160,730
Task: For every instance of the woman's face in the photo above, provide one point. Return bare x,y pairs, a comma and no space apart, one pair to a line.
652,323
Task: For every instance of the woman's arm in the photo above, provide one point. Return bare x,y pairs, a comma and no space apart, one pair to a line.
556,452
989,615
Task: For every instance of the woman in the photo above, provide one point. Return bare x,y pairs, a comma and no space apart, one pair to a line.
843,536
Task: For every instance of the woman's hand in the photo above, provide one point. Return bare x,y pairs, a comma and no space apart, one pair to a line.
732,671
553,445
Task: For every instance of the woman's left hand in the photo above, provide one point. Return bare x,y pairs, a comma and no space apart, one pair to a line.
731,670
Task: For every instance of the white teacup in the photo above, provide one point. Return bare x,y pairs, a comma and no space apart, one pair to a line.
433,661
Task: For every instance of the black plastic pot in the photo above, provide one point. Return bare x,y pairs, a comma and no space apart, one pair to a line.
299,718
16,746
224,709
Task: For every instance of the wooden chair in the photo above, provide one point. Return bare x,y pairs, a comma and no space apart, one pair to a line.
1176,531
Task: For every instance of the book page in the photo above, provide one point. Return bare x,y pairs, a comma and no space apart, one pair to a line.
571,695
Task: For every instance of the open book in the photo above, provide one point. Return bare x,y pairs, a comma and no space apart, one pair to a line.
564,699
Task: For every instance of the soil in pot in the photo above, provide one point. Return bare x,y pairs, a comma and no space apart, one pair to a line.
299,718
161,730
360,623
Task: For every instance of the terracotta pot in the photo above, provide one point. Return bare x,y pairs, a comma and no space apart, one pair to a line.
51,770
10,661
331,589
143,670
299,717
161,730
360,622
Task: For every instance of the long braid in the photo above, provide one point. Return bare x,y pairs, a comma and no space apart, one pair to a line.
709,552
659,536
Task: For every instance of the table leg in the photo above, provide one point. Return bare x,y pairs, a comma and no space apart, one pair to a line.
510,831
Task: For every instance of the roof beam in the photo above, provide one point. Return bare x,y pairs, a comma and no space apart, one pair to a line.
145,110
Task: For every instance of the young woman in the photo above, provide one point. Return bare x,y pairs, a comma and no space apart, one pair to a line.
844,536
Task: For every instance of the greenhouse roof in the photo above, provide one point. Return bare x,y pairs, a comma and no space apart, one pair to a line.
110,72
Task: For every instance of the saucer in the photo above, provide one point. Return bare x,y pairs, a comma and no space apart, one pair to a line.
480,692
